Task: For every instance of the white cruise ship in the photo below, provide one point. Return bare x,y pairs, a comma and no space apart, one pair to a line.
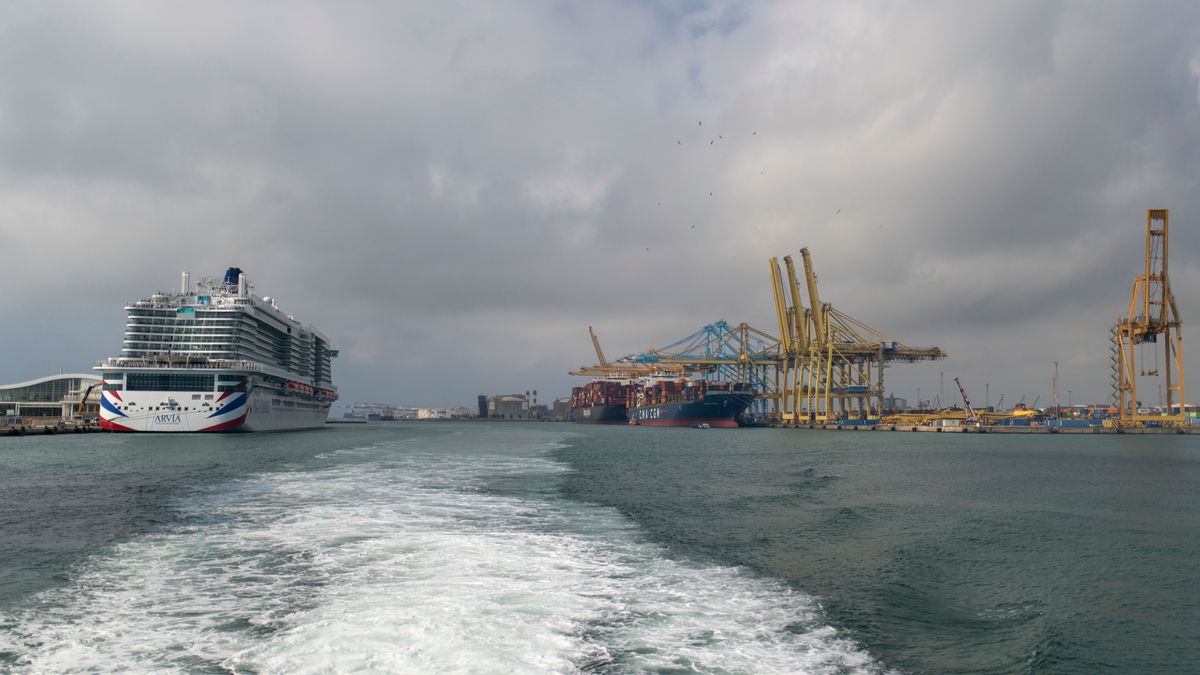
216,358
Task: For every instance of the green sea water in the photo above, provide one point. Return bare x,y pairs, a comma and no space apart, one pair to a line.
476,547
940,553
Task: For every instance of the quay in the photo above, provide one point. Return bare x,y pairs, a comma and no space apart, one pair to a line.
48,429
990,429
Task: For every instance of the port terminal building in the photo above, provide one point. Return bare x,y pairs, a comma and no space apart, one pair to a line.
508,407
50,399
561,411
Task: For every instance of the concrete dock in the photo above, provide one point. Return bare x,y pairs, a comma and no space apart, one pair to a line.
989,429
48,429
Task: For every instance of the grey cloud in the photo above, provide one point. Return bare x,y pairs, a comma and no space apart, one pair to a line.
455,192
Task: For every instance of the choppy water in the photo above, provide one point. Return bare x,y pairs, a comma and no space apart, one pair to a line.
556,548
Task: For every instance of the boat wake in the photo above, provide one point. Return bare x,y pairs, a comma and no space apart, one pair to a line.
456,556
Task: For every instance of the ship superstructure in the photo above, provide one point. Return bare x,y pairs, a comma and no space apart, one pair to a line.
216,357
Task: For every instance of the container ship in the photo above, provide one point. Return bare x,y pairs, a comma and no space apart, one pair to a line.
682,403
216,358
601,402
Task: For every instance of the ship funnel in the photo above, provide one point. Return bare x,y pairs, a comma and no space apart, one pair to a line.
231,276
185,284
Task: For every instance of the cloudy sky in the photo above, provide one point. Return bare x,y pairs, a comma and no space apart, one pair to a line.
455,191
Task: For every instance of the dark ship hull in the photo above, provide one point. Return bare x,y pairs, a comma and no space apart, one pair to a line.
599,414
717,409
600,402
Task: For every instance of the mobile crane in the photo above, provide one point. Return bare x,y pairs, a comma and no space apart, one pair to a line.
972,418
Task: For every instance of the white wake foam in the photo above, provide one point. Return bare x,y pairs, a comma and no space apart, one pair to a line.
399,560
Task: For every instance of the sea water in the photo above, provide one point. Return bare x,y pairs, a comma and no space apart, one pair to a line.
553,548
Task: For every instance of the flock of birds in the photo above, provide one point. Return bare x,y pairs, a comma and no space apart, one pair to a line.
719,136
710,142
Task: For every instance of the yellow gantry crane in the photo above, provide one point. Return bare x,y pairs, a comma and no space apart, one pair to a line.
824,365
622,368
833,363
1152,312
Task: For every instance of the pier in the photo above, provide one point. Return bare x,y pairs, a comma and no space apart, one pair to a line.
48,429
990,429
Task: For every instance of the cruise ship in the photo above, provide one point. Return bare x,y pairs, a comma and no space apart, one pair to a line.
216,357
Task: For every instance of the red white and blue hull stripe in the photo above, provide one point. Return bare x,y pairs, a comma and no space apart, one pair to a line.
179,412
143,411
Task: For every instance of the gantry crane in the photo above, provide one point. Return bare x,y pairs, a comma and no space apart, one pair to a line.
833,362
1152,312
825,364
623,367
719,351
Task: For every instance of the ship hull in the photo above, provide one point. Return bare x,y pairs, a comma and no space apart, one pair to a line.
718,410
600,414
260,409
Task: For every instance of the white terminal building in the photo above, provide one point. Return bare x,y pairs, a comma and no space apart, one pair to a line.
51,399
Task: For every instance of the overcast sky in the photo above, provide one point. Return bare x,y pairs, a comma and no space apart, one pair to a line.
454,191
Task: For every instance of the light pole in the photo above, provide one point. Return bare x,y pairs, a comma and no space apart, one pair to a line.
1070,404
1057,404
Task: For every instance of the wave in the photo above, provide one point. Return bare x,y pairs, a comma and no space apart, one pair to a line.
405,560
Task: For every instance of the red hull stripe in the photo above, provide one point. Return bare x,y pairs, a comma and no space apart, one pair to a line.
113,426
716,424
117,395
225,426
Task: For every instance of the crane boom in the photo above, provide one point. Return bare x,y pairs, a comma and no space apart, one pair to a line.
83,400
967,401
797,306
814,298
596,344
781,308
